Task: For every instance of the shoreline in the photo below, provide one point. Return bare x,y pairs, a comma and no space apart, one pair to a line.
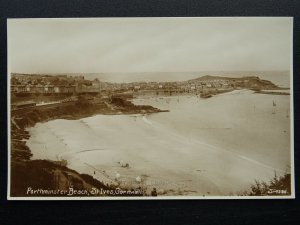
25,171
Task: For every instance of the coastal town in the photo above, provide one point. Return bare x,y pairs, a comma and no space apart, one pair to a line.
49,84
32,86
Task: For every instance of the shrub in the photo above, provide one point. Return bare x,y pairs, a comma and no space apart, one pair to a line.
276,186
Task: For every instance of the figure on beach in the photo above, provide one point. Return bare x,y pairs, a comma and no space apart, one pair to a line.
154,192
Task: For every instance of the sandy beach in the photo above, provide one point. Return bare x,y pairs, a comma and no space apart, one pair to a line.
216,146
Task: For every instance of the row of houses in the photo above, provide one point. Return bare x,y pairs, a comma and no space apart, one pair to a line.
38,78
49,89
42,89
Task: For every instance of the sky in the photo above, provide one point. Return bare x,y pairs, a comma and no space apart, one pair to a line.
133,45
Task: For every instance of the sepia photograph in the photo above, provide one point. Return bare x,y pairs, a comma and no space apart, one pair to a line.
150,108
